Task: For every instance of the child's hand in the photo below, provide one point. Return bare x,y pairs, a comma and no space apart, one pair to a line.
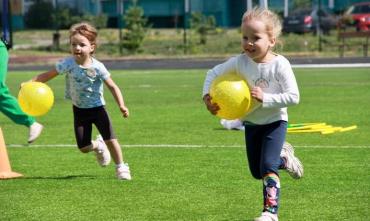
23,83
124,111
212,107
257,93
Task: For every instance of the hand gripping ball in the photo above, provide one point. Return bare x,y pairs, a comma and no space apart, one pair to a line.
35,98
231,93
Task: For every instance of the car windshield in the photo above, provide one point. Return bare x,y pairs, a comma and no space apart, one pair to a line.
359,9
301,12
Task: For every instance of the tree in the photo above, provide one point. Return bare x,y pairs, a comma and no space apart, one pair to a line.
302,3
136,28
39,15
202,25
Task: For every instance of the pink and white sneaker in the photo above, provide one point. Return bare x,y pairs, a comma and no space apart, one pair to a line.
123,172
266,216
102,153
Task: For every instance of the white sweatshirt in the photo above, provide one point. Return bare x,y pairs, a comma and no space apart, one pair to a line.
275,78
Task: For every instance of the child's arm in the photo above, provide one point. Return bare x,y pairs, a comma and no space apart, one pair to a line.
44,77
226,67
116,92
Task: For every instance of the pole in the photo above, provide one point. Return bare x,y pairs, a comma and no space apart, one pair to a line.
186,12
119,20
56,35
249,4
318,28
286,8
6,24
264,4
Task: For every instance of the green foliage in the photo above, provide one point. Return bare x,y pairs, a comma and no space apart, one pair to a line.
99,21
202,25
39,15
65,17
302,3
62,18
136,28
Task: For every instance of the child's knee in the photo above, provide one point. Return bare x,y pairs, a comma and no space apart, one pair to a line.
256,174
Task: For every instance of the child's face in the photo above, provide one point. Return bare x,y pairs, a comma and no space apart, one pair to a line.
256,42
81,48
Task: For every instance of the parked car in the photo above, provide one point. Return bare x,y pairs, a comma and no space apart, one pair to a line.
307,20
357,15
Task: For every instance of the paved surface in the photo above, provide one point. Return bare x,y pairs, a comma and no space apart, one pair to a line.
146,64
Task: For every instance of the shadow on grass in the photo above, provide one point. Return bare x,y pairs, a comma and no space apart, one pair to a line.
70,177
222,128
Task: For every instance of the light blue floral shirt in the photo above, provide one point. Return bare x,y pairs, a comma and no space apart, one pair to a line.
84,86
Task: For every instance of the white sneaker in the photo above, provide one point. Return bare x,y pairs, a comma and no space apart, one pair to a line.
102,153
123,172
34,131
232,124
266,216
292,163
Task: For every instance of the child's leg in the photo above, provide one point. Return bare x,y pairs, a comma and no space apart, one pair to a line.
83,131
115,150
122,169
104,126
253,141
83,120
271,193
273,140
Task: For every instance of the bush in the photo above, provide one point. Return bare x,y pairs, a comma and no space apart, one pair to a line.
136,28
202,25
39,15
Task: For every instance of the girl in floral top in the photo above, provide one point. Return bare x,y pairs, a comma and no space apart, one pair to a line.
84,77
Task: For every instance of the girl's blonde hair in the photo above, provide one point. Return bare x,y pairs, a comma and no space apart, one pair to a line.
85,29
271,20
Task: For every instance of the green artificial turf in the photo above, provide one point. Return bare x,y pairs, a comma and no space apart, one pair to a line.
185,166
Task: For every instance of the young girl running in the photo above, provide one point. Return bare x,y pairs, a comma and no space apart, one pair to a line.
84,87
273,87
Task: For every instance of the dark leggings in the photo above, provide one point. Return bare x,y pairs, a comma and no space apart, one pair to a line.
84,118
263,145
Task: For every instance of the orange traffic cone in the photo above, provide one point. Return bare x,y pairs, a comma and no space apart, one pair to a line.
5,169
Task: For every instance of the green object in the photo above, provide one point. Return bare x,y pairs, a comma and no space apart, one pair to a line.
8,103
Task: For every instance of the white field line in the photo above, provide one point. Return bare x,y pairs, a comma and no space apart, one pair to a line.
193,146
355,65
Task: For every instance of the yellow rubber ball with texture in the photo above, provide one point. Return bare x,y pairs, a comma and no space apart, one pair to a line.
35,98
231,93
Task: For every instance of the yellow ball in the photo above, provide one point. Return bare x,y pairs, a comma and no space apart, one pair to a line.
35,98
231,93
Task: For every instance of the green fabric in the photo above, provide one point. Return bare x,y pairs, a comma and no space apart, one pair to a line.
9,104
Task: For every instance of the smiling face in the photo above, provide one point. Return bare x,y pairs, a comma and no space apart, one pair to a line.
81,48
256,42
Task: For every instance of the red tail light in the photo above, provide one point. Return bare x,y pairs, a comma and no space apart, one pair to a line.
307,20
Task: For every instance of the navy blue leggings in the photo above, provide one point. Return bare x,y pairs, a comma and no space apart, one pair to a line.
263,145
